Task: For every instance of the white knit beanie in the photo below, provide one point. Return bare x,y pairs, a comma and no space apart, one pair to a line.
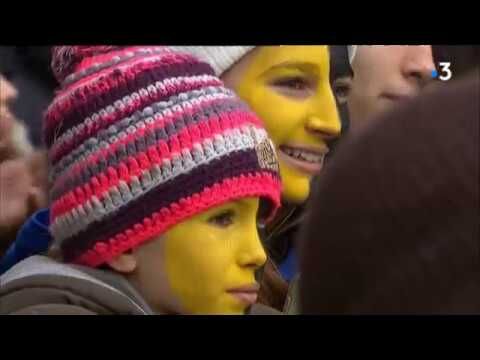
220,58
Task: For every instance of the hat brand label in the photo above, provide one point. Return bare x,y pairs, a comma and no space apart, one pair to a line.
266,156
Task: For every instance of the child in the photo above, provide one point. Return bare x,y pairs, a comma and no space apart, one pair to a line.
157,174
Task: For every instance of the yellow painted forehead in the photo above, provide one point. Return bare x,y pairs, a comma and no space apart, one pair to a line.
243,204
314,57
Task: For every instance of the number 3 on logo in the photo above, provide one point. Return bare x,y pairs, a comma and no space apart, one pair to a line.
445,70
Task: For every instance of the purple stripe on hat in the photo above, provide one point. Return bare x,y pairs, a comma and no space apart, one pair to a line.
95,100
115,61
185,185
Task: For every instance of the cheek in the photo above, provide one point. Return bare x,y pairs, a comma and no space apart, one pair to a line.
196,267
372,73
281,116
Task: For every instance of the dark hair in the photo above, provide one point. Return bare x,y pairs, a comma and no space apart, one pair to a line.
394,222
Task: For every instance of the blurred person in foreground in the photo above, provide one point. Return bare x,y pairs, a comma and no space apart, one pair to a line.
22,170
403,237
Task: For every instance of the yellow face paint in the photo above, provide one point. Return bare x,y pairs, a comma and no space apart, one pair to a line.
289,88
211,259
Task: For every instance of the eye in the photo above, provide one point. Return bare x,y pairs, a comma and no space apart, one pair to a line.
295,83
341,89
222,219
297,86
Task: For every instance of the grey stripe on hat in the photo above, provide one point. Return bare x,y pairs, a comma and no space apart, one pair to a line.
126,101
140,144
162,108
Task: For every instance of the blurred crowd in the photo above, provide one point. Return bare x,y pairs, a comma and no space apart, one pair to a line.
238,179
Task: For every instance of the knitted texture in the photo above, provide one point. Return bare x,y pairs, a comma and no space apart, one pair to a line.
221,58
140,139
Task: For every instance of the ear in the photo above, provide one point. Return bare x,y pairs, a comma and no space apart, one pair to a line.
125,263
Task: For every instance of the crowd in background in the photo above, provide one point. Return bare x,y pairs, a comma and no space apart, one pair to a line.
389,226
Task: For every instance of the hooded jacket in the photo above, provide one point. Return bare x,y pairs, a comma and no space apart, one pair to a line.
39,285
42,286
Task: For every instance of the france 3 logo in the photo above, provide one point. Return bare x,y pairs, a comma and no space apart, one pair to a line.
445,72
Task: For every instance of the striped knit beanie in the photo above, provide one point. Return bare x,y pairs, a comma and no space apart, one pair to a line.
140,139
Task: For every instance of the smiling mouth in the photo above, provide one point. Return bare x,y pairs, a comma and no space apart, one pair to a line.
246,294
307,160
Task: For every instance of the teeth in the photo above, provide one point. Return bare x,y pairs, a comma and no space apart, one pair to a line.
303,155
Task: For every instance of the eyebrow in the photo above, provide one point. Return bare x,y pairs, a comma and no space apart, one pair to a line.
303,66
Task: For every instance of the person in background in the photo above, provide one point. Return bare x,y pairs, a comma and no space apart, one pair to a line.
385,76
27,68
157,172
398,209
23,175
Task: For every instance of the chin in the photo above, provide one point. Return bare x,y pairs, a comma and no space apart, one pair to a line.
296,184
228,306
296,189
296,196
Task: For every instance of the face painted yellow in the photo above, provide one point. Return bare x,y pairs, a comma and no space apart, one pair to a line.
211,259
289,88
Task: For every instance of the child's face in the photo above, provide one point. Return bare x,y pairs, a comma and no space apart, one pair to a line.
289,88
204,265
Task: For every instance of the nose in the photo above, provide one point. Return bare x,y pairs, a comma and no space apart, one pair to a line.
418,64
327,128
252,255
7,91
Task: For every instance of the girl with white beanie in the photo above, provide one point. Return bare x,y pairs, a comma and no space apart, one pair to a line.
300,98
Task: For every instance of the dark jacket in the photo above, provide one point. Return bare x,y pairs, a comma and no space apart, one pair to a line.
42,286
